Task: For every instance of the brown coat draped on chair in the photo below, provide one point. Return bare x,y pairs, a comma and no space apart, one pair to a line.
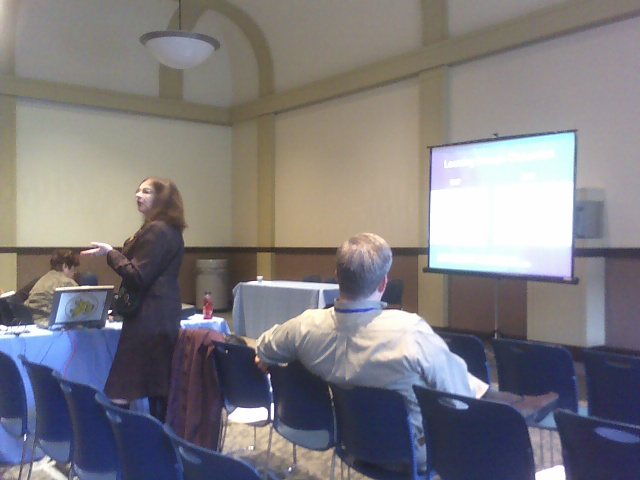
195,401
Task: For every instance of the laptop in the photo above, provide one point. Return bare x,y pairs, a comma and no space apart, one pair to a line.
80,307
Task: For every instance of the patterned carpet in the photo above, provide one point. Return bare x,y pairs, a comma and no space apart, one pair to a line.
316,465
311,465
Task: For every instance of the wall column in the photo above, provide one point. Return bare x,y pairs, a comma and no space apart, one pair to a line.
434,124
569,314
266,194
8,155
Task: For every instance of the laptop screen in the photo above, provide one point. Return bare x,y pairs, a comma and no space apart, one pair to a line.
85,306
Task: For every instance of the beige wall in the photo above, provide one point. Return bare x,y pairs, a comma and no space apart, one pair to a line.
347,166
8,277
78,169
347,149
584,81
244,181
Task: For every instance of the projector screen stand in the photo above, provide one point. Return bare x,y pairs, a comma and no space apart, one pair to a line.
496,313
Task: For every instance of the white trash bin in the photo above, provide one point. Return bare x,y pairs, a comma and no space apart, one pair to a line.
211,276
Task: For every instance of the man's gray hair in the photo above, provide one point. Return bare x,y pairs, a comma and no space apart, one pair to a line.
361,264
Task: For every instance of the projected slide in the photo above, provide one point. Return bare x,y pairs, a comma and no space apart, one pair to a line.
504,206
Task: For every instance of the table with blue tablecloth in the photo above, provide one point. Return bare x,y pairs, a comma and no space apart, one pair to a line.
82,355
259,305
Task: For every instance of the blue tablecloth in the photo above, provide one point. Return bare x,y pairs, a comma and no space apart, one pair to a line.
83,355
257,306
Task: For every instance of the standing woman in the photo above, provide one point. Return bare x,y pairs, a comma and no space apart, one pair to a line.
149,265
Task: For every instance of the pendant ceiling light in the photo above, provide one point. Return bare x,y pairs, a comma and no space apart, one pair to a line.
177,48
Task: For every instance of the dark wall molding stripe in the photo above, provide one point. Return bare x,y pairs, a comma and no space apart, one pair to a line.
608,252
626,252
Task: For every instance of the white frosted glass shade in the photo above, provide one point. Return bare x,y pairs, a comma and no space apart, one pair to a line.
179,49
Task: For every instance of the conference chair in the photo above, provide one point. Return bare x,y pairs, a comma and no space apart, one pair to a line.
303,411
95,455
53,432
393,293
312,278
246,391
471,349
474,439
598,449
6,313
199,463
526,367
13,404
613,385
373,433
144,450
22,314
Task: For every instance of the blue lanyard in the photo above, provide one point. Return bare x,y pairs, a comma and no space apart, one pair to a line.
356,310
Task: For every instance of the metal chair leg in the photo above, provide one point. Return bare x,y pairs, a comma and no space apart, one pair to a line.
22,457
294,465
33,452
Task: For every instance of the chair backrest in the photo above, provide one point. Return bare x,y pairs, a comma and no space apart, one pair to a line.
6,313
393,293
21,313
596,448
199,463
241,381
303,411
613,385
94,447
144,451
13,398
373,429
471,349
312,278
474,439
535,368
54,433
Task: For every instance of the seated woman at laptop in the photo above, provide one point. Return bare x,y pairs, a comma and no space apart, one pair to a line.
63,268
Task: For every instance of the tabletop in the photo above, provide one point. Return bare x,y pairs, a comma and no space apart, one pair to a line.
258,305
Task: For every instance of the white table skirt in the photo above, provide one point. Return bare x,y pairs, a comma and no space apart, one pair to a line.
257,306
82,355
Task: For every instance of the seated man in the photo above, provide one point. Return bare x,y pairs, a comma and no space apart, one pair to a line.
358,342
63,268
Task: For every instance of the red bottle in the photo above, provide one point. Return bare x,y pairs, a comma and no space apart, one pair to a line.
207,305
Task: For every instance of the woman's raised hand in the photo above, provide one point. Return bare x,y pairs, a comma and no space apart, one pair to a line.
100,249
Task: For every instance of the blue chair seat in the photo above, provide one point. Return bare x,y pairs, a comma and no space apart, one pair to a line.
475,439
95,455
13,403
144,451
246,391
53,432
527,367
374,435
596,448
471,349
613,385
199,463
303,411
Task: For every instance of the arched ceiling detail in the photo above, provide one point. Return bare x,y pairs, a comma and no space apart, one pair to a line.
9,10
194,9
